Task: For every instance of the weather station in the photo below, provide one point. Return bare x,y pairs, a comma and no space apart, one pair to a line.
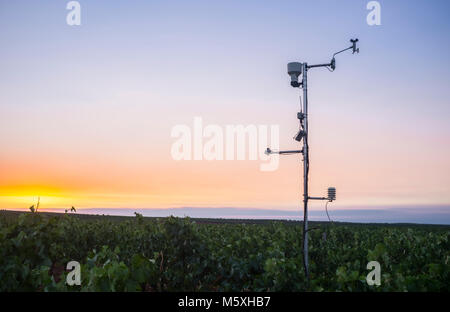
295,71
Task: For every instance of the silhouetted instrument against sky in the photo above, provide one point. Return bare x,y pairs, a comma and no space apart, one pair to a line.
295,70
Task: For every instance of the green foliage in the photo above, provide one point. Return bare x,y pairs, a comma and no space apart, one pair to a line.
174,254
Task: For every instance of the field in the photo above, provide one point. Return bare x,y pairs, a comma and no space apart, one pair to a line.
182,254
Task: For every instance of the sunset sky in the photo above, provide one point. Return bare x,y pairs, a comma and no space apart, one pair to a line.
86,111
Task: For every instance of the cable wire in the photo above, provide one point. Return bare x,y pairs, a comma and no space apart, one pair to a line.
326,210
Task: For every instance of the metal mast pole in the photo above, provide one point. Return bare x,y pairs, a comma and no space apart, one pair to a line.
295,69
305,169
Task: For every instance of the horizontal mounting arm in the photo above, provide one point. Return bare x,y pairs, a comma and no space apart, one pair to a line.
318,198
269,151
319,65
342,51
290,152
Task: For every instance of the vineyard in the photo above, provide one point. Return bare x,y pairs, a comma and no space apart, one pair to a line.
180,254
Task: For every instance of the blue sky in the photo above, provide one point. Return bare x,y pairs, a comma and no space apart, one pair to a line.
87,110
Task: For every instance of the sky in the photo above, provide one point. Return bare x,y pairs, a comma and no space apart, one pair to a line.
86,112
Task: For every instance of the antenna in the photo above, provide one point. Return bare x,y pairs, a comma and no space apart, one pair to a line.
295,70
